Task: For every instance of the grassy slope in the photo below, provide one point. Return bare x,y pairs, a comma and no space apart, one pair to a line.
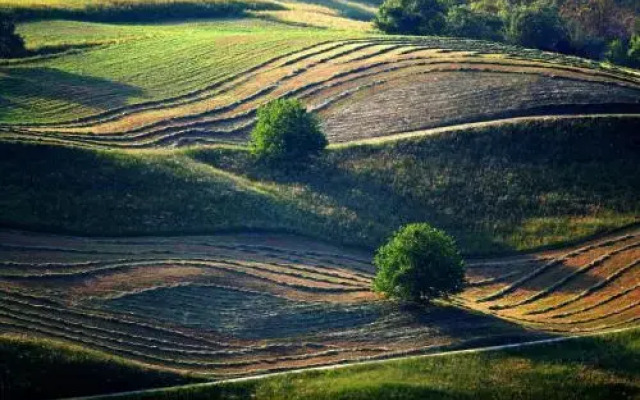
497,189
140,63
605,367
44,369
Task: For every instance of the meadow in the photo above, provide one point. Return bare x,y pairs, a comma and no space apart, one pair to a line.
140,242
589,368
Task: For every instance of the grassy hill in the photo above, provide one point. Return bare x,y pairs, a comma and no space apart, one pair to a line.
497,189
36,368
132,137
589,368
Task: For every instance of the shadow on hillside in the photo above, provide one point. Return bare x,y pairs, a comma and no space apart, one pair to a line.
6,106
468,329
607,353
53,84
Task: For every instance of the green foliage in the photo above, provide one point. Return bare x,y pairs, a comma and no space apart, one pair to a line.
419,263
538,27
138,10
11,44
462,21
634,51
45,369
411,17
617,52
286,132
623,53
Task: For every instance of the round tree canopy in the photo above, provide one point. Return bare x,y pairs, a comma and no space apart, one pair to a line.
419,263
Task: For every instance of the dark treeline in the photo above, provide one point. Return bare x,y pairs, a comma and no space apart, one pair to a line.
597,29
140,12
11,44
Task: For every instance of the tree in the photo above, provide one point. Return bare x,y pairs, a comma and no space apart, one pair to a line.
286,132
462,21
11,44
538,27
419,263
411,17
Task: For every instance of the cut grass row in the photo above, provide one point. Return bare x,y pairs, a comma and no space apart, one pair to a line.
141,64
308,76
150,63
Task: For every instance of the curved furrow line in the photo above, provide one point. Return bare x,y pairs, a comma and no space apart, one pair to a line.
605,301
128,341
116,113
601,316
91,267
267,251
121,138
420,61
590,290
105,342
496,279
106,335
53,306
377,53
317,276
329,271
81,320
389,355
503,263
89,321
552,263
595,263
563,326
219,88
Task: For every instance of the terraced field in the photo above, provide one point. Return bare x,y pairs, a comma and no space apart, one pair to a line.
361,88
232,305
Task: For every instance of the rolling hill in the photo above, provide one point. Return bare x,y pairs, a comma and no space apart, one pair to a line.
135,223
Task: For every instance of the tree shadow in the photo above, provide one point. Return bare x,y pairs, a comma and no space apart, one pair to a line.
468,329
53,84
370,199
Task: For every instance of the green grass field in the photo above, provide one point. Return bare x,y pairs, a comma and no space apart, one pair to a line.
133,64
127,124
33,368
496,190
588,368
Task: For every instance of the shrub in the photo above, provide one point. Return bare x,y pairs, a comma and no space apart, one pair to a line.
538,27
412,17
617,52
11,44
624,53
633,54
419,263
464,22
286,132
